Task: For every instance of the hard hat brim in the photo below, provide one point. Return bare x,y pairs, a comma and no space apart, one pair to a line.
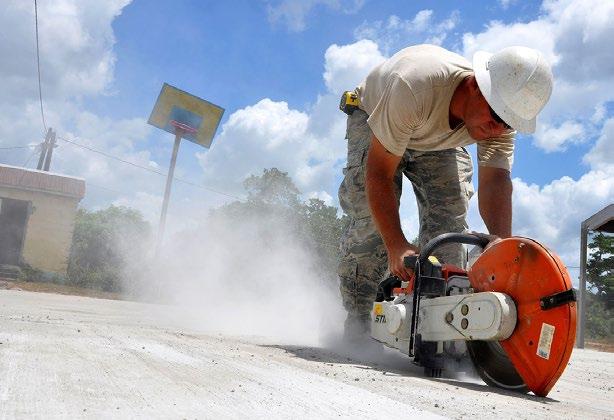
482,76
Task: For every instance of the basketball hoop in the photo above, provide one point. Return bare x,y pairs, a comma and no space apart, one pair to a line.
184,116
183,127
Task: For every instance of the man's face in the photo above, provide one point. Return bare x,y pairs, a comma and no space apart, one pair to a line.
481,121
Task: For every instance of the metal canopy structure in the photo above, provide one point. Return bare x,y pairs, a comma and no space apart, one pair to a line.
186,116
602,221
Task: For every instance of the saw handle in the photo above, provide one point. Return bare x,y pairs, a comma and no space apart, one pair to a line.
446,238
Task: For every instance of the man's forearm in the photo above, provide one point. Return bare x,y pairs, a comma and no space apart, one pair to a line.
385,210
495,203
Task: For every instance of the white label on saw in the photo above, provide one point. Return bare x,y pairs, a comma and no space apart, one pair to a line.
545,341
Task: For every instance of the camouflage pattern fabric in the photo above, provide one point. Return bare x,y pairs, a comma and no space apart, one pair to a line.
442,185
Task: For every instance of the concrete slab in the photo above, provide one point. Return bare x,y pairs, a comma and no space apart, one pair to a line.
76,357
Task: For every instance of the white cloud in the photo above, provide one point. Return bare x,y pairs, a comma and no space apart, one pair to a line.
505,4
556,139
309,145
293,13
115,137
600,113
76,41
347,65
76,60
553,213
601,156
582,31
395,33
270,134
324,196
499,35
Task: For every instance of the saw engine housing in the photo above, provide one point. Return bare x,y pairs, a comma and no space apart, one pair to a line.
513,310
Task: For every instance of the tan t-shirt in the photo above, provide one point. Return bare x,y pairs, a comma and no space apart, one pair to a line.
408,100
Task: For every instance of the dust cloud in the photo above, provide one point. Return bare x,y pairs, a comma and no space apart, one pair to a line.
250,276
255,277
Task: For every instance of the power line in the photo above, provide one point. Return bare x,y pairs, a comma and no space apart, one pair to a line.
28,160
89,184
24,165
152,170
15,147
107,155
38,66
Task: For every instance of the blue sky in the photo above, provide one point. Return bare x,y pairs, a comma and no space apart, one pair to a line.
233,55
277,67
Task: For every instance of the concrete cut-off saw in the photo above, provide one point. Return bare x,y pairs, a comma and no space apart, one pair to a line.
513,311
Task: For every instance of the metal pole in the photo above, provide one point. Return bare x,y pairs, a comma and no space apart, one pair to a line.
44,146
582,302
50,147
167,191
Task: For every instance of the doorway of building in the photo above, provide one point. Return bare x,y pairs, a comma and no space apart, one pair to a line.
13,220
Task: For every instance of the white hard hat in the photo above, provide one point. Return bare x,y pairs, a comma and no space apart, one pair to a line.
516,82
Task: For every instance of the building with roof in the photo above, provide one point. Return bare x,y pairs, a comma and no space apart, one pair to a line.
37,217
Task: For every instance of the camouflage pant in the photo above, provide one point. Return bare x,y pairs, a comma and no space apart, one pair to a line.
442,185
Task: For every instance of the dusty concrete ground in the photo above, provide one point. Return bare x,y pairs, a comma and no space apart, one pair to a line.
68,357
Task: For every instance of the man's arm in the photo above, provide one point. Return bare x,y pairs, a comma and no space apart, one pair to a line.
495,200
381,168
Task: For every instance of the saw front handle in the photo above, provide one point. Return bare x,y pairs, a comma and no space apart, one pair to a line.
446,238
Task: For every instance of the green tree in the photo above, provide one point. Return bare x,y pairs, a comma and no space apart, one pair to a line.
273,187
272,193
106,244
600,297
273,198
324,228
600,268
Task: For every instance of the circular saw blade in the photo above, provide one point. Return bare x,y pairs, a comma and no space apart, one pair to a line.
538,282
494,367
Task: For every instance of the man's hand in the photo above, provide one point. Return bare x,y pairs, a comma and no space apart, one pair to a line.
396,265
492,239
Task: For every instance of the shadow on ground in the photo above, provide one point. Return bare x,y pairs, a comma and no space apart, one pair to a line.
389,362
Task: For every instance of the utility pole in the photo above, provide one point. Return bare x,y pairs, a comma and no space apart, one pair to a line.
50,148
44,161
44,146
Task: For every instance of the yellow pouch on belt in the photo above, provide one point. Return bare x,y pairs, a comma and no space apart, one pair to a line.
349,102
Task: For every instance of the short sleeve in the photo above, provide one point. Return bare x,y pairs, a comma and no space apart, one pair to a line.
497,152
395,116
